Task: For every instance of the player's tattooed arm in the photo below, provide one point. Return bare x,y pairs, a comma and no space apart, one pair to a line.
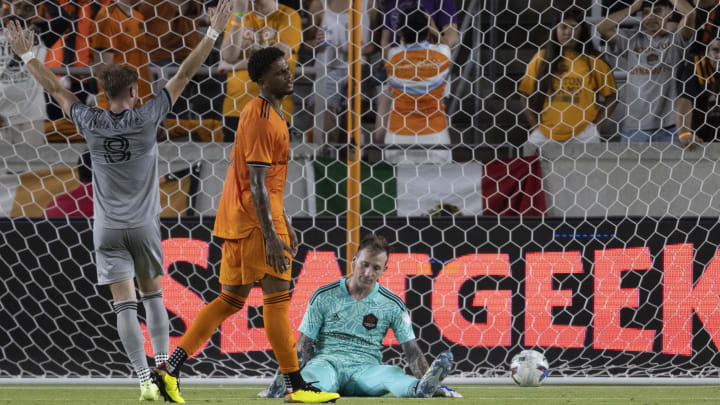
261,200
291,234
415,358
306,347
275,248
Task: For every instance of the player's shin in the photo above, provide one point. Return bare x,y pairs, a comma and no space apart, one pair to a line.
276,307
158,324
131,337
205,324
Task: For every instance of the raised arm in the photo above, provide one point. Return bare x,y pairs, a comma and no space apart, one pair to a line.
22,45
683,115
233,48
683,121
450,35
314,34
608,27
415,358
218,19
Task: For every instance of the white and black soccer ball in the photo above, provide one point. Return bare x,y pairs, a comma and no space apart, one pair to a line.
529,368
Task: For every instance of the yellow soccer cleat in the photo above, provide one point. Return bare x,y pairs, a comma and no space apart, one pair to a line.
167,384
311,395
149,392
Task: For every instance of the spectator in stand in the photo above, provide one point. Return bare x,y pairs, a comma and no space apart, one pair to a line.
418,74
262,24
443,14
444,30
22,100
172,28
650,58
568,88
698,107
707,19
120,38
330,40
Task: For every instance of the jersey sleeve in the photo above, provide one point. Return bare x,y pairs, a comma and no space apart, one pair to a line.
313,320
258,143
157,108
604,78
529,81
80,114
402,326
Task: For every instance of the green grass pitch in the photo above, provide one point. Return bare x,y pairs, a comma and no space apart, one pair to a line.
473,394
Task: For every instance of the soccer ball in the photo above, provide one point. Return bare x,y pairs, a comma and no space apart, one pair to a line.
529,368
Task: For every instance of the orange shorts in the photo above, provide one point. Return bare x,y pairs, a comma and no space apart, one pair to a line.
243,260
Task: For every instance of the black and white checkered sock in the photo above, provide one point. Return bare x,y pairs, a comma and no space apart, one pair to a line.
143,375
176,360
294,381
160,358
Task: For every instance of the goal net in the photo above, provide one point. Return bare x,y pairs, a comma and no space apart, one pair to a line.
600,253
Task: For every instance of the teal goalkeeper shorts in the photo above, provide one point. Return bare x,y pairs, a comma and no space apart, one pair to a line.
358,380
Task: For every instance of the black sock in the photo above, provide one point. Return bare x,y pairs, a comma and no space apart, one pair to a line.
176,360
294,381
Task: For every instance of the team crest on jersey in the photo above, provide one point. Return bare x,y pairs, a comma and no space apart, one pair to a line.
370,321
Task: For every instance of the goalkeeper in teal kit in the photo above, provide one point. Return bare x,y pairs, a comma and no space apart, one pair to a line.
342,333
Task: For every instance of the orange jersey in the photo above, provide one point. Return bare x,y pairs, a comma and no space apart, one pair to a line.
262,139
281,26
78,52
172,32
125,36
418,77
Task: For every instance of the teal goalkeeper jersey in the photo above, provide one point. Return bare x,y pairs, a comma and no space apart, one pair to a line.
354,330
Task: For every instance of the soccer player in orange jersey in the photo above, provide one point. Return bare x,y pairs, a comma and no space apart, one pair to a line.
252,220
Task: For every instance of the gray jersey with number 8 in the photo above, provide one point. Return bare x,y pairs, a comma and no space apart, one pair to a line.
124,153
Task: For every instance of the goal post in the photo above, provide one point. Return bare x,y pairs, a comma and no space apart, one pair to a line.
354,129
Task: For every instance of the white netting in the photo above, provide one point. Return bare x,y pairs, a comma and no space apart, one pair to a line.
601,254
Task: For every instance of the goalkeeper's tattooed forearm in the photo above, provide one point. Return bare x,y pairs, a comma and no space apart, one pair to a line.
306,346
415,358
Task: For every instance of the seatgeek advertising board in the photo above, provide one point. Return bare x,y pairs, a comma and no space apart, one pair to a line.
600,297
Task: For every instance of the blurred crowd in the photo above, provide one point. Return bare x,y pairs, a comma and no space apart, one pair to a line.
669,68
652,66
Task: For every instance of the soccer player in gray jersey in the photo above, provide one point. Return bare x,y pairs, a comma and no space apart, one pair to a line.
124,153
342,333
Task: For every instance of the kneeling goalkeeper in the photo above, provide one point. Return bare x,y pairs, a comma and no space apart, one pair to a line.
342,333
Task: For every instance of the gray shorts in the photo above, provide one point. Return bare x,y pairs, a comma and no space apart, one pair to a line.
121,254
